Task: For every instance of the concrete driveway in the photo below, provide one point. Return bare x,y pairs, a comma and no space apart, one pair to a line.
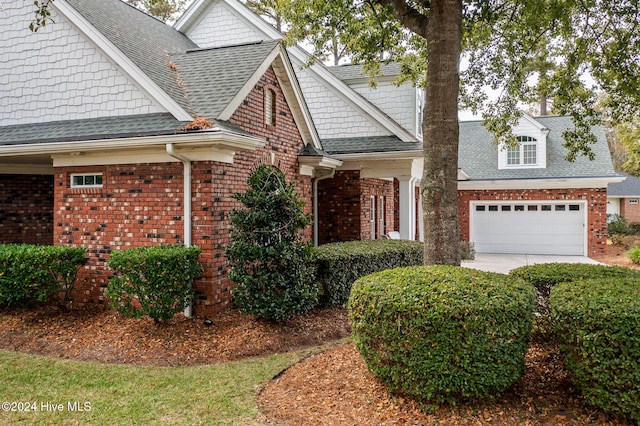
503,263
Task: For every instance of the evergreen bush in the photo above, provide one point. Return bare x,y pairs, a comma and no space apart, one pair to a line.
544,276
340,264
32,273
442,333
153,281
597,322
272,267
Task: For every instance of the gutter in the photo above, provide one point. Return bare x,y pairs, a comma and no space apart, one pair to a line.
188,311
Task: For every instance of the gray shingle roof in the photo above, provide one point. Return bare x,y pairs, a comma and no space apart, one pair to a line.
212,77
630,187
89,129
369,145
201,81
478,157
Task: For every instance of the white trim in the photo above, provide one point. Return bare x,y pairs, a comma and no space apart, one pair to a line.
144,82
74,175
559,183
583,203
154,154
219,139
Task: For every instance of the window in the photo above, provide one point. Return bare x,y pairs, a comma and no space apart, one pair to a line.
526,153
90,180
269,107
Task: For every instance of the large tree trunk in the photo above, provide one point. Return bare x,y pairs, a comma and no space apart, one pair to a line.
440,132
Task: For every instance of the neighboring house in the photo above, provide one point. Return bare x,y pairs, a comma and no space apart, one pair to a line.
118,131
529,199
623,198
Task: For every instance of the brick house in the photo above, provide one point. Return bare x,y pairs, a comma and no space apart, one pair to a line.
623,198
118,130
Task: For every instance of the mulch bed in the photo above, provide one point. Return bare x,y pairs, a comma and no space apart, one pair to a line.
330,388
103,335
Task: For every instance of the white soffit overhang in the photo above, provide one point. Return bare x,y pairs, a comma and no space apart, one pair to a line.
142,80
201,145
561,183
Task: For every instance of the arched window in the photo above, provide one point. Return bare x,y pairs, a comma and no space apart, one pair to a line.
270,107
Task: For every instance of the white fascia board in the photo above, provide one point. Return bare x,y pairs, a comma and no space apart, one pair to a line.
376,156
223,140
184,21
144,82
562,183
242,94
295,98
319,162
533,121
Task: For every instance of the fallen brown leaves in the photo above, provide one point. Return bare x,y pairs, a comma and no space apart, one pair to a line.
335,388
105,336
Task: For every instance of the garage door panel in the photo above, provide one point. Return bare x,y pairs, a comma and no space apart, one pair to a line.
532,228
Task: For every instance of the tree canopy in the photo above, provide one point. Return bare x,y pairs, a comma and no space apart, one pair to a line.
522,50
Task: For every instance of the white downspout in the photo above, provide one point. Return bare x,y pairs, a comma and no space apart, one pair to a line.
331,174
188,311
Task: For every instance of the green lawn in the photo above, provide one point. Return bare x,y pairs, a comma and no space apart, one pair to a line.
124,394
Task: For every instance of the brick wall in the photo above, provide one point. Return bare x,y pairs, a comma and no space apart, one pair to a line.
141,204
345,207
631,212
26,209
596,199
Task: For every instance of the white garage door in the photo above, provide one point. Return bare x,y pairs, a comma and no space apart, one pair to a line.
528,228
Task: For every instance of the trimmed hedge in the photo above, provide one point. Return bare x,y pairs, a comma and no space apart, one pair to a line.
598,323
31,273
442,333
340,264
153,281
545,275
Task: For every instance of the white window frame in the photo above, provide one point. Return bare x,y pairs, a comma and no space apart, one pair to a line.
73,177
523,141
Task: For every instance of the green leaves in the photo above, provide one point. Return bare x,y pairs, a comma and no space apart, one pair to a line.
339,265
597,322
153,281
31,273
442,333
270,264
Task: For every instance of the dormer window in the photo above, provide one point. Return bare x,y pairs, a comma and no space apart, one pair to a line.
531,149
526,153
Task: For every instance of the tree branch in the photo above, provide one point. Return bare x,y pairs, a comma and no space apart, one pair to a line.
408,16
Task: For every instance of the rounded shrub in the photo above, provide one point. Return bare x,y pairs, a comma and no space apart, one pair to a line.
153,281
544,276
442,333
598,323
